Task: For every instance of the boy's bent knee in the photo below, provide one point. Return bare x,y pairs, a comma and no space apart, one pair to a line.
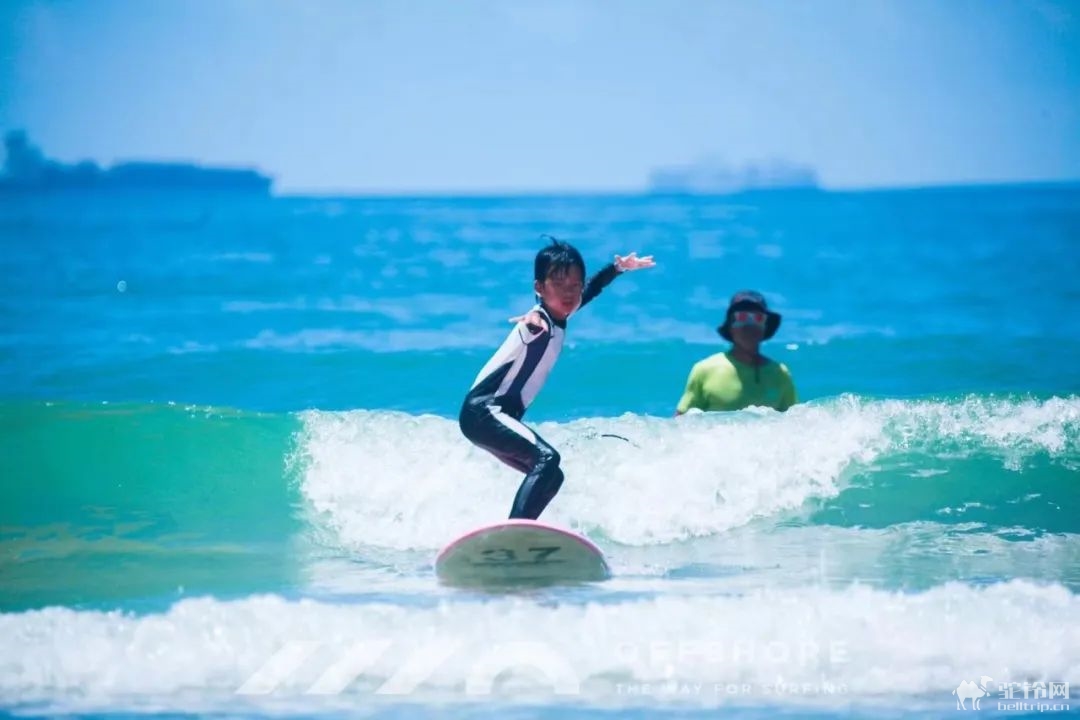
548,455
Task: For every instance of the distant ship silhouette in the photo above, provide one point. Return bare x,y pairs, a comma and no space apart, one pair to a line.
714,177
26,169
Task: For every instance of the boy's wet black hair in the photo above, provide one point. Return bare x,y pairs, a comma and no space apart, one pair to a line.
557,258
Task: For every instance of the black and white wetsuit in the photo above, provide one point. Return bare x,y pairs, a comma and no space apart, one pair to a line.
505,387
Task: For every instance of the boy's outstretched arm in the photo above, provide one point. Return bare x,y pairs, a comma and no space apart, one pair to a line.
622,264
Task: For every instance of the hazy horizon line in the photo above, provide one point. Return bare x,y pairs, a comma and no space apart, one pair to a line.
642,191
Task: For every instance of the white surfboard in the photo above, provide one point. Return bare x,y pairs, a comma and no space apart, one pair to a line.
515,552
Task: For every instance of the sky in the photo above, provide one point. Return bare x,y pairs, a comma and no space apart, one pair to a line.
550,95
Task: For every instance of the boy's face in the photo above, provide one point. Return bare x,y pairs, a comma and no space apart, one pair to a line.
561,291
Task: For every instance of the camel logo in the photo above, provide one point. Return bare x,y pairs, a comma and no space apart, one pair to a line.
970,691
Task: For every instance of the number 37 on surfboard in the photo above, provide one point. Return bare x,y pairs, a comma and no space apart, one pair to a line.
520,552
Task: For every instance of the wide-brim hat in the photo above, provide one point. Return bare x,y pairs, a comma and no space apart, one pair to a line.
750,300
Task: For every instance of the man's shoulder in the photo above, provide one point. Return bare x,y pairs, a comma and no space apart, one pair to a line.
718,361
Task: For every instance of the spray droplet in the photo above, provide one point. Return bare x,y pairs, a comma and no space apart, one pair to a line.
121,286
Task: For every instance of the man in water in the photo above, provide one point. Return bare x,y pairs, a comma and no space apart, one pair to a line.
741,377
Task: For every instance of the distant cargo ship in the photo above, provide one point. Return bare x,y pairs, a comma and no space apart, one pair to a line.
26,169
708,177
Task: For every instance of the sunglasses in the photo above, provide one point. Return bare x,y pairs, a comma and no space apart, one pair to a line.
742,318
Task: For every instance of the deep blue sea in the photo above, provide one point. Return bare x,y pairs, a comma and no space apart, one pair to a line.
229,453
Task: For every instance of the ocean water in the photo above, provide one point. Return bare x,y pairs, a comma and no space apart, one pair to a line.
229,454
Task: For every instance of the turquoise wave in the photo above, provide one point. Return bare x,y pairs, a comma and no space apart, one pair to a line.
138,501
106,501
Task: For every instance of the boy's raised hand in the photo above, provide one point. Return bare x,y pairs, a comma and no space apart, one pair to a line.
633,262
533,320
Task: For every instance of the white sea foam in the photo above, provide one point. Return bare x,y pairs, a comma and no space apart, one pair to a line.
797,646
402,481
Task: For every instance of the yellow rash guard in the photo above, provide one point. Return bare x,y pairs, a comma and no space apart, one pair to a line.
721,382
